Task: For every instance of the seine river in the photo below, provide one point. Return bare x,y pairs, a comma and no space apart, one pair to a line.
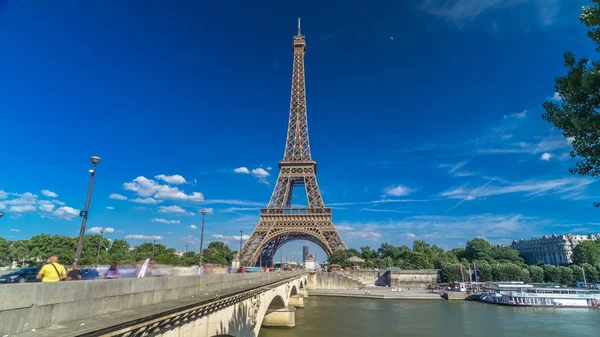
343,317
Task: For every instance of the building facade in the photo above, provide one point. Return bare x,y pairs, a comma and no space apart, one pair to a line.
555,249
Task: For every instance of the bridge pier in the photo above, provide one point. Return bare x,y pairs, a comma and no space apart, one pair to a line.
297,301
303,292
284,317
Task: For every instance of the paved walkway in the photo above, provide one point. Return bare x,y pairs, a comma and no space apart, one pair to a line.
381,293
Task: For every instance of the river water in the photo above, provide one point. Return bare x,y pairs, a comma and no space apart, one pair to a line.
343,317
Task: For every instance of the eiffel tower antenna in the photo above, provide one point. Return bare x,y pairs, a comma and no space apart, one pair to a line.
281,222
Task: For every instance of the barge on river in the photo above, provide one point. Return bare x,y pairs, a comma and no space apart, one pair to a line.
529,296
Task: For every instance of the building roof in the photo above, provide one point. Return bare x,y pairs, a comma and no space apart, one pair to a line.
355,259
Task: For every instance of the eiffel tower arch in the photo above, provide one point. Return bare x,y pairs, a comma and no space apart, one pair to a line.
281,223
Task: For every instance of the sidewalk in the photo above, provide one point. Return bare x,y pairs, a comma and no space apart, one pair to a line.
380,293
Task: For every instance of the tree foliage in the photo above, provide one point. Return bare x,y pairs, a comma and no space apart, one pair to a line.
577,111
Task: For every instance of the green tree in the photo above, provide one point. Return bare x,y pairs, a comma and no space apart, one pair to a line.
168,258
591,273
367,253
418,260
451,272
4,252
189,258
506,254
119,252
339,257
587,252
565,275
478,249
551,274
19,251
90,249
217,252
536,274
577,113
459,253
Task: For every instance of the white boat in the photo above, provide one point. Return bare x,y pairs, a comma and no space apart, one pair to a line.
541,297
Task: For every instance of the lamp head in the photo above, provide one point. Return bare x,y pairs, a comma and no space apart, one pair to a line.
1,214
95,159
203,212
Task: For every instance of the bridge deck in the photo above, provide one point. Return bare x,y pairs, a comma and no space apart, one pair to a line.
110,324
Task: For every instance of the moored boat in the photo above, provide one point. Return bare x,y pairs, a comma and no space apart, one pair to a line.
529,296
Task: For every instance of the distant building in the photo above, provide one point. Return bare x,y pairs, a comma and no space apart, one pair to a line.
305,251
179,253
555,249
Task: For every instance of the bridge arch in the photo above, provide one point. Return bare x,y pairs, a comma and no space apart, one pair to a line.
293,291
277,303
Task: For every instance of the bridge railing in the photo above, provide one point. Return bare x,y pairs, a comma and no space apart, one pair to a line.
39,305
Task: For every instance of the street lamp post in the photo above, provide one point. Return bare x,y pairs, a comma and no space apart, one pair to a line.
153,246
99,246
1,214
201,240
240,253
84,214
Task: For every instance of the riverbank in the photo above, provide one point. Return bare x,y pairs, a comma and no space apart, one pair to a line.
384,294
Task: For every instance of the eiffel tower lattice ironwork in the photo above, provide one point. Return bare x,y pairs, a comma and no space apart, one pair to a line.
281,223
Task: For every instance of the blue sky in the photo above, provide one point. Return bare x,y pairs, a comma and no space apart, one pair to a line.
424,117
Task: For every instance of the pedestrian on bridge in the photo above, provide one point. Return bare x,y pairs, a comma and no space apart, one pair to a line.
52,271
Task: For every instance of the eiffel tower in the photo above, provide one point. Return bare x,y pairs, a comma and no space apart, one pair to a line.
281,223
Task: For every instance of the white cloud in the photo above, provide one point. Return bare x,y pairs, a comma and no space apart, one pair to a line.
397,191
3,195
175,179
343,228
161,220
49,194
570,140
192,227
556,97
384,210
230,238
546,144
97,230
243,170
26,198
14,230
147,201
235,202
520,115
238,209
506,137
408,235
145,187
260,173
22,209
570,188
116,196
174,209
143,237
466,11
269,168
140,208
46,206
66,213
109,208
546,156
382,201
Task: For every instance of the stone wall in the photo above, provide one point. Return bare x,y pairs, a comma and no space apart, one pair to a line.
357,279
36,305
414,279
325,280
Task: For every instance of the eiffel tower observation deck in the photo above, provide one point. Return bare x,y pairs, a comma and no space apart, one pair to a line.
281,223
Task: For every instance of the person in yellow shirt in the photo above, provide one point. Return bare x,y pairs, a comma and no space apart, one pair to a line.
52,271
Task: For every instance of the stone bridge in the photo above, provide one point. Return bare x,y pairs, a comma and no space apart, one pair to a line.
207,305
